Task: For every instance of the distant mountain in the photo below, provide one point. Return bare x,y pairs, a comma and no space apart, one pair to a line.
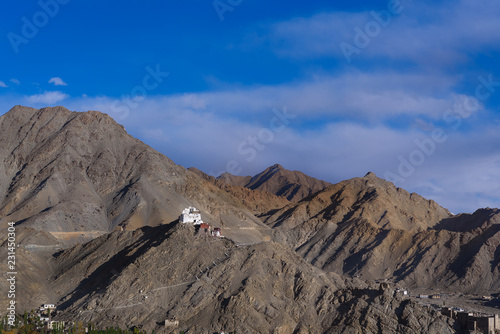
259,202
369,198
234,180
80,175
293,185
434,259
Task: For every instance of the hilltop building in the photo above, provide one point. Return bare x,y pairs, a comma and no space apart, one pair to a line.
191,215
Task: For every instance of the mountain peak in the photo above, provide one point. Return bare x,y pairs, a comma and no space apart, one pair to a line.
19,113
79,174
277,166
277,180
370,175
371,199
19,108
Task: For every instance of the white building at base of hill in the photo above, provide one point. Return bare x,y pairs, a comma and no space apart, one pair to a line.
191,215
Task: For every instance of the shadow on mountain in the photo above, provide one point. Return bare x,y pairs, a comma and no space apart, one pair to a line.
109,270
467,222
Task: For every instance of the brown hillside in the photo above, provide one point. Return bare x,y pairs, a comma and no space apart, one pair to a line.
437,260
368,225
174,273
259,202
72,173
369,198
293,185
234,180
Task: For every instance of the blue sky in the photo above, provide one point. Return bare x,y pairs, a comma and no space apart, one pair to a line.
409,90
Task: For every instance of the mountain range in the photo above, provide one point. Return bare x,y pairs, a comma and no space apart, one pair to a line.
293,185
96,213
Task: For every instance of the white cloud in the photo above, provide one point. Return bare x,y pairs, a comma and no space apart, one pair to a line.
3,85
370,97
48,97
453,32
57,81
15,81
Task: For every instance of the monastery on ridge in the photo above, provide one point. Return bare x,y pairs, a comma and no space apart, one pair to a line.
191,215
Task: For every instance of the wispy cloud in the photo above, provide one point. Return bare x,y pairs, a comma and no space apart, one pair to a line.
57,81
48,97
15,81
448,36
3,85
370,97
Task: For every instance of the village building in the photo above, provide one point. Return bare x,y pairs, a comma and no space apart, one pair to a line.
217,232
404,292
44,307
170,323
59,325
488,324
191,215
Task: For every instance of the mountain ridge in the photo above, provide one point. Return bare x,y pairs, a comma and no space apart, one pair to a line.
260,288
294,185
74,174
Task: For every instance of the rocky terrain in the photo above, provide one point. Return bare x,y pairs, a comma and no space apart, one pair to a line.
80,175
176,273
97,232
259,202
34,249
368,198
293,185
369,227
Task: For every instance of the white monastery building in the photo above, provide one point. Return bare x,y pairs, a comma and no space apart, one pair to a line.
191,215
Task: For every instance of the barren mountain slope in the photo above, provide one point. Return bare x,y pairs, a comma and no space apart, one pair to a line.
293,185
468,262
73,173
234,180
369,198
178,274
369,225
259,202
33,250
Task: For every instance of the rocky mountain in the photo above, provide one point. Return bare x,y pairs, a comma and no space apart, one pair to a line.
367,226
259,202
235,180
369,198
293,185
195,283
80,175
